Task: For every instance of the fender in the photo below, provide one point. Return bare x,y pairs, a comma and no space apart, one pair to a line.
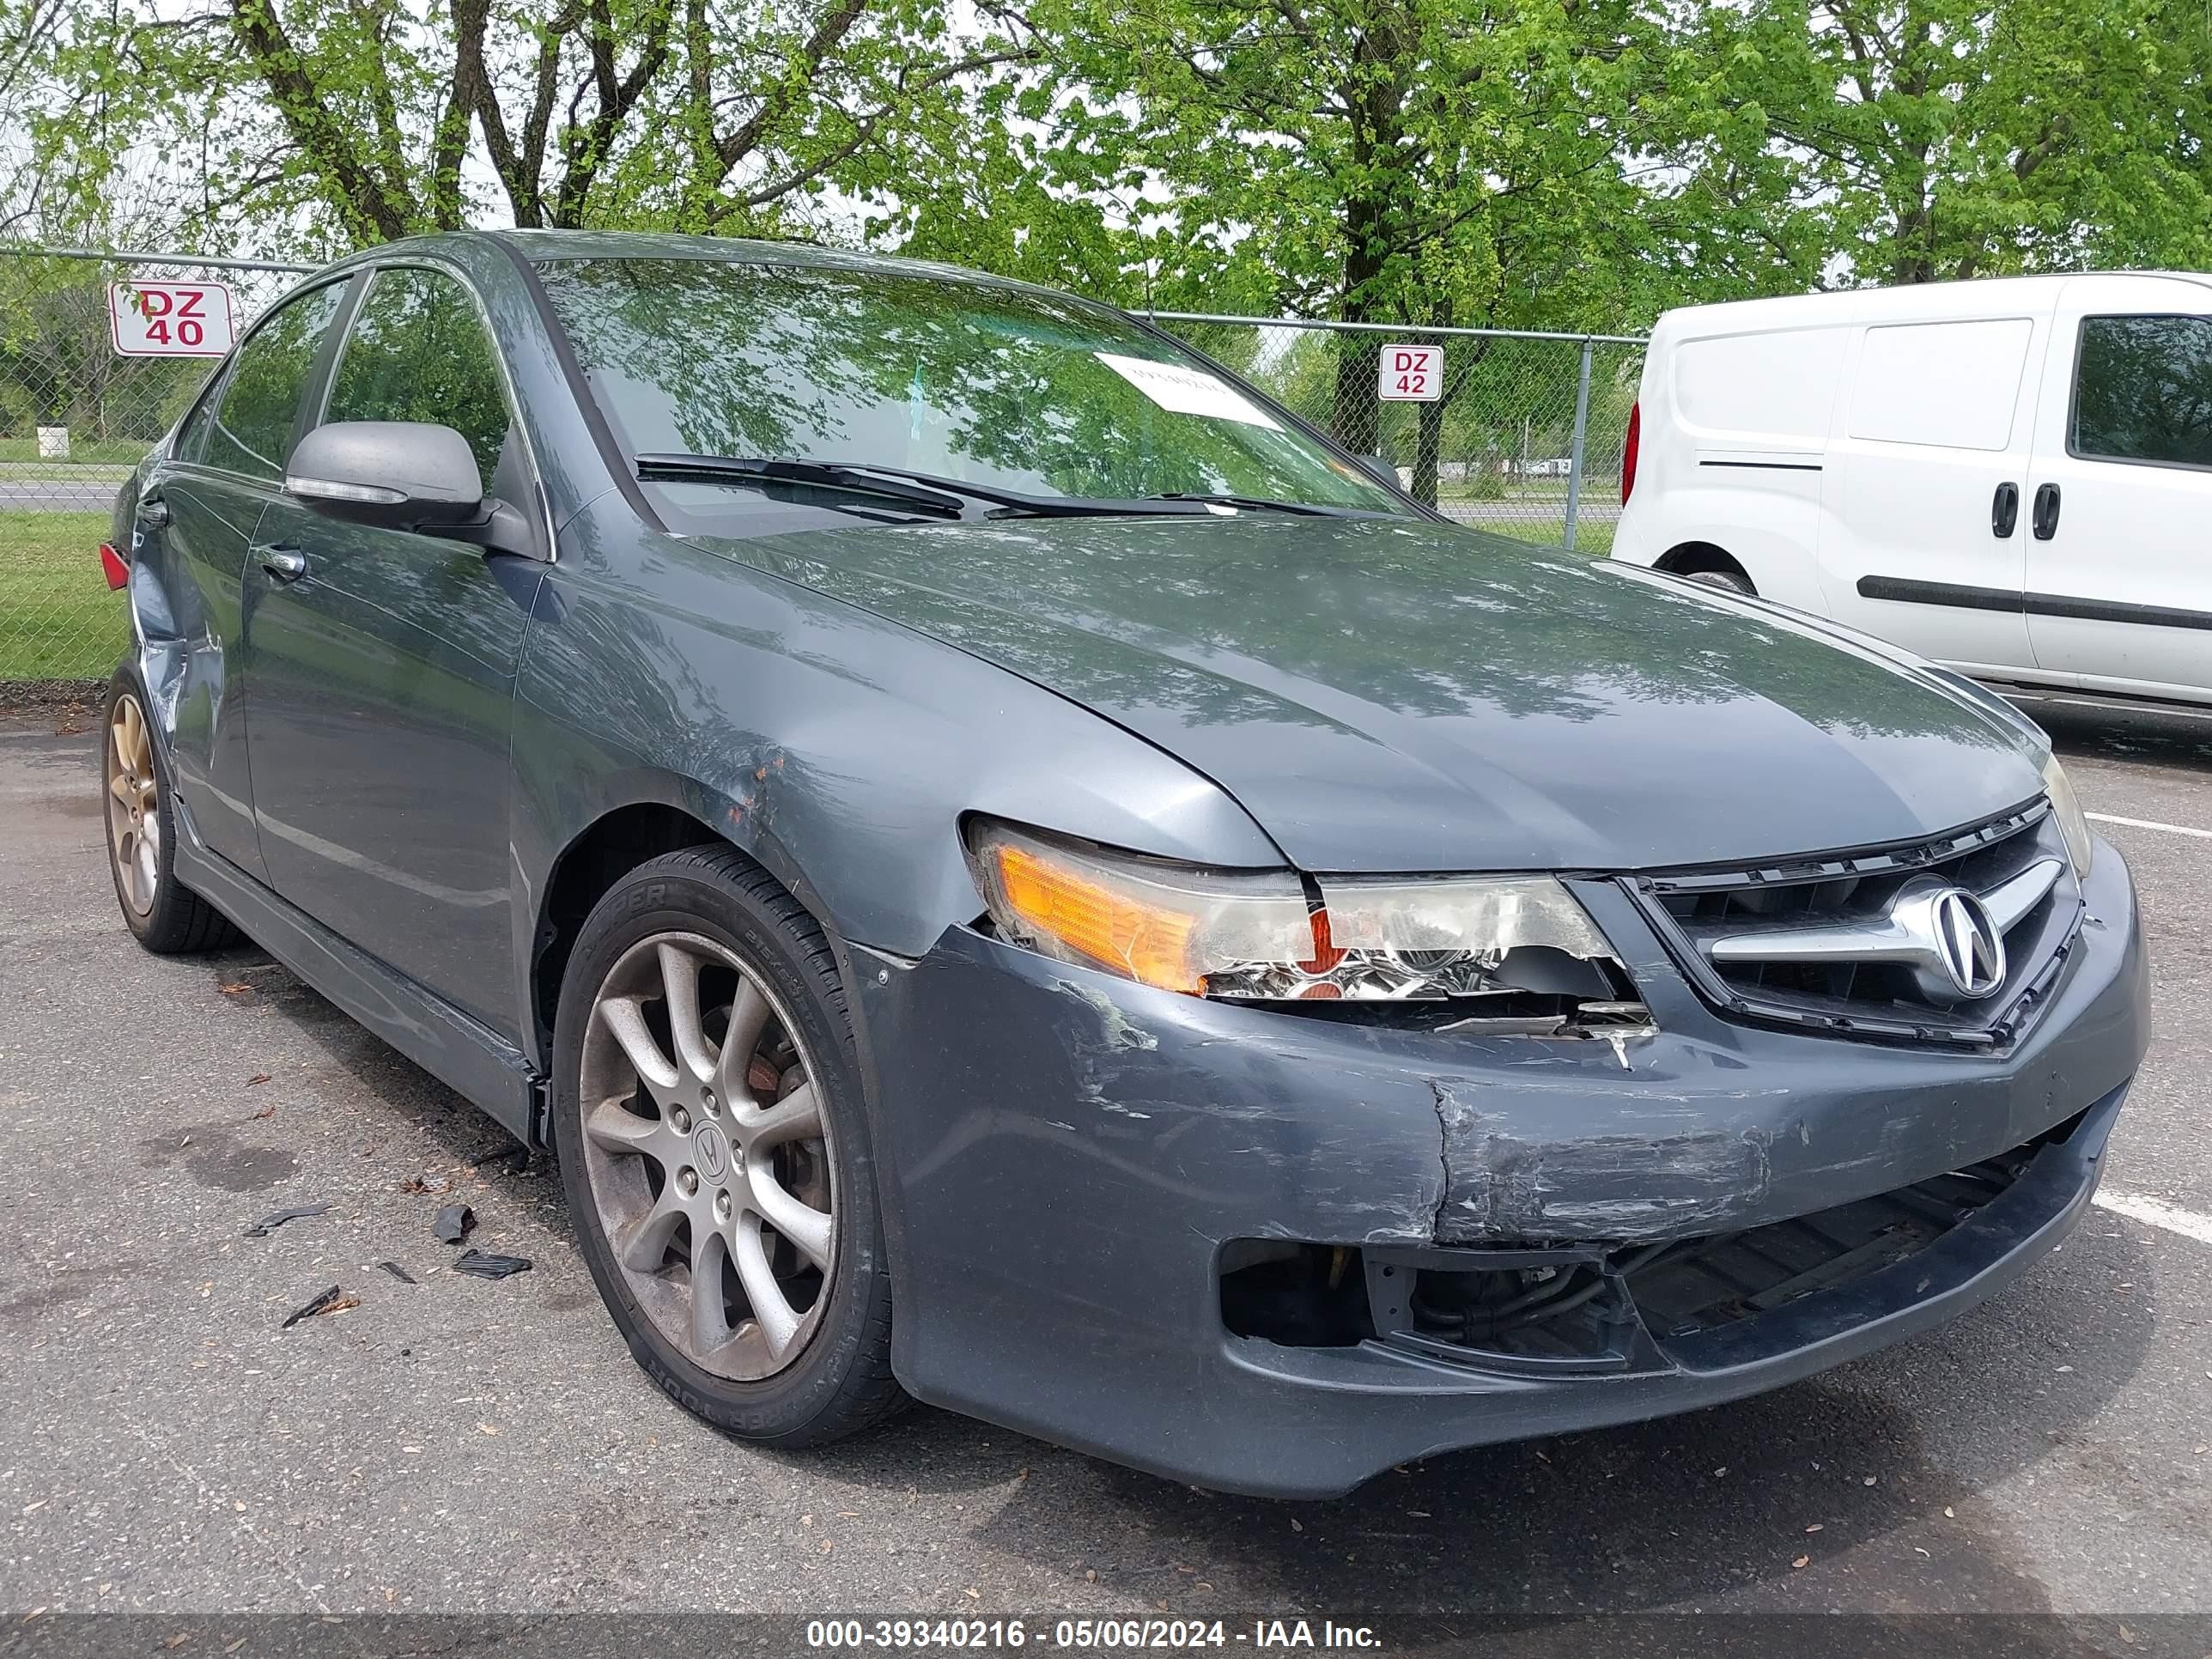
748,703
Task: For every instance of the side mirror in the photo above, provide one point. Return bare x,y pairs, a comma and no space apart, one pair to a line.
1380,470
402,475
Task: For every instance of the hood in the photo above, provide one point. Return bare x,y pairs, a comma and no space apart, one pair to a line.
1397,695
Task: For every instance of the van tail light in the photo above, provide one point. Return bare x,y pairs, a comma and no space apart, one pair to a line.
1628,451
111,566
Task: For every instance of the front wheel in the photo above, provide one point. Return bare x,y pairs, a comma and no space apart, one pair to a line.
715,1150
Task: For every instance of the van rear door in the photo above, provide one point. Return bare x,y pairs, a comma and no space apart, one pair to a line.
2120,538
1923,516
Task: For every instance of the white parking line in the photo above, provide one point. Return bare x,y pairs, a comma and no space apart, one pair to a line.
2159,1213
2149,823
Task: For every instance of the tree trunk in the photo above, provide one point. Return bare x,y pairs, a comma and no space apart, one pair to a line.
1356,422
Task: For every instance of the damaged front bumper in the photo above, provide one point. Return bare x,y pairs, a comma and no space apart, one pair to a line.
1235,1246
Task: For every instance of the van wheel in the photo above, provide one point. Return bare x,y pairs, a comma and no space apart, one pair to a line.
1733,580
714,1145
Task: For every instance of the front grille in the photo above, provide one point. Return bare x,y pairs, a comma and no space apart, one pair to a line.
1866,998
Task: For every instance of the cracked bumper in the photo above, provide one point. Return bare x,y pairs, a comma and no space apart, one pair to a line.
1065,1154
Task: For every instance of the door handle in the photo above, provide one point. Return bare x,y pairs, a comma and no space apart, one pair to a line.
2004,510
286,564
153,512
2046,523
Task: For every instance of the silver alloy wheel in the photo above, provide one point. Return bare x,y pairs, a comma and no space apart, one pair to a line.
708,1155
134,817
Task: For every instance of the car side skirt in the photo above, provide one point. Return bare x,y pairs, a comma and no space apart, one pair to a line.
491,1073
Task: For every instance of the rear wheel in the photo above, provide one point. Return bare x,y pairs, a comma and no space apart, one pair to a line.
715,1152
167,916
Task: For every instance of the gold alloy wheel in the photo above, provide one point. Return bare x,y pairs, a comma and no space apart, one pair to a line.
708,1153
134,817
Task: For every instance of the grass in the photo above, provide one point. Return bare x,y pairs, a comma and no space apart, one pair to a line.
57,619
1593,537
83,451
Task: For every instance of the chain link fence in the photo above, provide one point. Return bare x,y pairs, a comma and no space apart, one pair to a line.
76,416
1525,437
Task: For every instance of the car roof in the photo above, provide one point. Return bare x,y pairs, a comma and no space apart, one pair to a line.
540,246
1962,299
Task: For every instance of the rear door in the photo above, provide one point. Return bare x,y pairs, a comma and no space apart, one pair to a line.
1923,525
384,671
2119,547
209,497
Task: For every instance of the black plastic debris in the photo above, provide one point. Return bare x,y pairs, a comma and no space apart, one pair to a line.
397,1272
270,1223
477,1265
454,1223
330,1301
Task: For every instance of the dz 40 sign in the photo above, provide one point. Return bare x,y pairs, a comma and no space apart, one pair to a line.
169,320
1411,375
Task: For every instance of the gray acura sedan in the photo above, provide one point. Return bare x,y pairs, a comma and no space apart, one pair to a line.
1009,870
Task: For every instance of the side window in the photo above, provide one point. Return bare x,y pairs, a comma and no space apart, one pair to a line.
418,351
2142,391
251,429
192,433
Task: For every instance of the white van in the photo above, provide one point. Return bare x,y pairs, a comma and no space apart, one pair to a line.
2012,476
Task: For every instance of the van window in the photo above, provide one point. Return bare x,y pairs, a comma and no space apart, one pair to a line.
1950,385
2142,391
1760,388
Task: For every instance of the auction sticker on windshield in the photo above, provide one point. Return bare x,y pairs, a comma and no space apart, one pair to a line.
1187,391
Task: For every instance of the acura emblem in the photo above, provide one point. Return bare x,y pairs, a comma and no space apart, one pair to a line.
1967,942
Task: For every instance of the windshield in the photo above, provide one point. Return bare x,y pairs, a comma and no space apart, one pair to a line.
1001,388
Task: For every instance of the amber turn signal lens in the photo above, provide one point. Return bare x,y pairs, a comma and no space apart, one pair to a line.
1148,943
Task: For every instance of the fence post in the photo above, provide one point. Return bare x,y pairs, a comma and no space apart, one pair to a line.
1575,455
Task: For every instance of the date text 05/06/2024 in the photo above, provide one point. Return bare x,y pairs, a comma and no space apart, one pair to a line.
1088,1634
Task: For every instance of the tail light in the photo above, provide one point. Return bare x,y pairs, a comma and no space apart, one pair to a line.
111,566
1628,451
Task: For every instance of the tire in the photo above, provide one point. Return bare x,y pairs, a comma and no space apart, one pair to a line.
1734,581
629,1135
168,917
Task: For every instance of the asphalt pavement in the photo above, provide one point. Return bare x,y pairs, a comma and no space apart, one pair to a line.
59,492
459,1444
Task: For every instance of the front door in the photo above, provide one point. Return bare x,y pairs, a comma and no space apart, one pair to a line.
383,664
2119,550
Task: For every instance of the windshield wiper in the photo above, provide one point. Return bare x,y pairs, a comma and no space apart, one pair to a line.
929,492
1268,504
735,469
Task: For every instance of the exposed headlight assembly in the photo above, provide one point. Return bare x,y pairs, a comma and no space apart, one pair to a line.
2072,824
1263,936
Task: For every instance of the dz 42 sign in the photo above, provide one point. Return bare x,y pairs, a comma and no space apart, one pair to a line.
1411,375
169,320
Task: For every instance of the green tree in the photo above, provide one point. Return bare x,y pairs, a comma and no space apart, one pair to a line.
1416,161
339,121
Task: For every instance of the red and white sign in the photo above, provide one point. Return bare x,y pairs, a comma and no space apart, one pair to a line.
170,320
1411,375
